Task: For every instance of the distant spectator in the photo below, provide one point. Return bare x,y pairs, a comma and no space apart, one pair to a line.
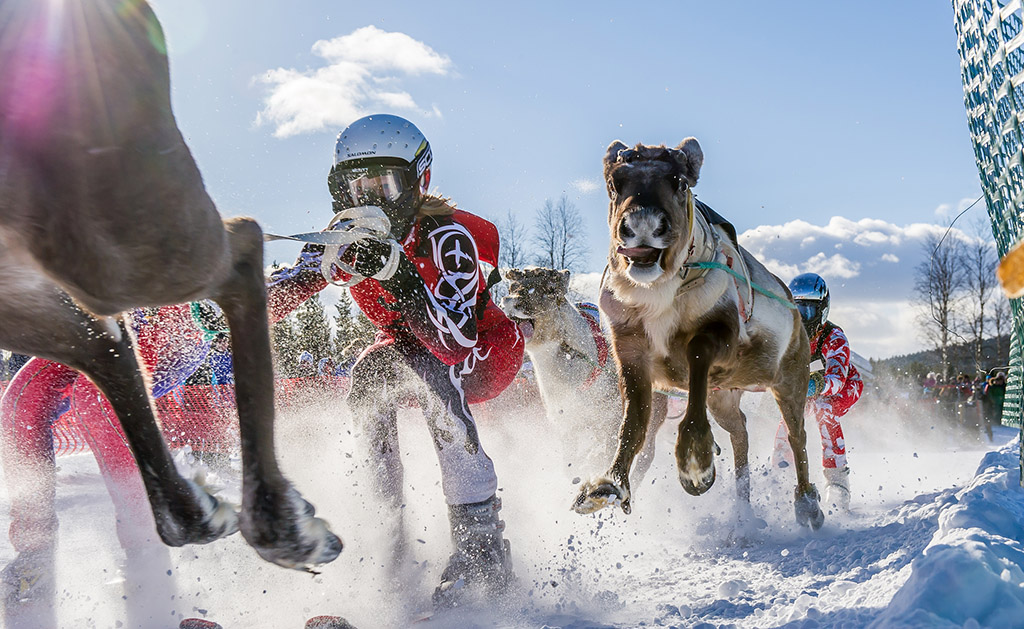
11,366
929,385
325,368
306,367
992,400
219,358
967,415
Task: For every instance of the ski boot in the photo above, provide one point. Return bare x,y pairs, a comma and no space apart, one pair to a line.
481,562
837,491
29,578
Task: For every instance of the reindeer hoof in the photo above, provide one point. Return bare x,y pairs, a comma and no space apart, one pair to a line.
696,484
808,513
201,520
282,529
598,494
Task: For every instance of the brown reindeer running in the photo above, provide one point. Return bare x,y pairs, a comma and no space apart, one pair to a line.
102,209
680,319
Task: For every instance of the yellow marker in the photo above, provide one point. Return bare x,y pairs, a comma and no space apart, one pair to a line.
1011,271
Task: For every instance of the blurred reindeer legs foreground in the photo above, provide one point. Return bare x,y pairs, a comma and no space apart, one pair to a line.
103,209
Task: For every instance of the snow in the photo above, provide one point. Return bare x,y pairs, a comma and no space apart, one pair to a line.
934,538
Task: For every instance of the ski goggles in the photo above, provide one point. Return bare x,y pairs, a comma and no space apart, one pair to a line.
809,310
370,184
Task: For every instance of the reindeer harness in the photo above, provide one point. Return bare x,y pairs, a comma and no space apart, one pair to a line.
703,258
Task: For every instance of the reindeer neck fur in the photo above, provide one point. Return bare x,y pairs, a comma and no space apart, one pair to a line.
562,349
674,301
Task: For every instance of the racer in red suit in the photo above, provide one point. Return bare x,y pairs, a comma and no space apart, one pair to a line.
834,387
440,337
171,342
170,346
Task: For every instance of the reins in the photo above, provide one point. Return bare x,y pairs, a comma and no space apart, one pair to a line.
346,228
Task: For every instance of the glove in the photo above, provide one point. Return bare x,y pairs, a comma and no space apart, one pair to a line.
308,260
371,257
816,384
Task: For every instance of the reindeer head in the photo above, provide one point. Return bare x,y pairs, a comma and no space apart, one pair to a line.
649,211
533,291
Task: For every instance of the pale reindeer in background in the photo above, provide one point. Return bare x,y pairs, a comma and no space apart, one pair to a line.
103,209
569,355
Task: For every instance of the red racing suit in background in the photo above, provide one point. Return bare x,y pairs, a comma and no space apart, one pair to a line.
842,387
170,345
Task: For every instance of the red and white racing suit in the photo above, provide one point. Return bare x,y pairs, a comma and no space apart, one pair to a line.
440,339
842,387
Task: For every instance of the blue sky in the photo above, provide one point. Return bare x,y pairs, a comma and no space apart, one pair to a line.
805,111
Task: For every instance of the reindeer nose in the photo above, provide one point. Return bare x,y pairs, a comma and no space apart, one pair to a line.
662,227
625,231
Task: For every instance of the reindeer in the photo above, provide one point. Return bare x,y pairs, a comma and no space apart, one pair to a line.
679,296
569,354
103,209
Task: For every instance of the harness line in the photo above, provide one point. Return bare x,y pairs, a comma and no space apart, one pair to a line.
754,285
712,246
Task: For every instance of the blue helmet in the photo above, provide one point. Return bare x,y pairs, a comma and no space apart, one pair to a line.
811,296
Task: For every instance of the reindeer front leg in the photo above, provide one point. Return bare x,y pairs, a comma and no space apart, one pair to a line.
275,519
695,445
635,387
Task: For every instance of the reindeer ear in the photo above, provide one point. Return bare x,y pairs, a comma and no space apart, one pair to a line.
563,277
513,275
691,159
611,155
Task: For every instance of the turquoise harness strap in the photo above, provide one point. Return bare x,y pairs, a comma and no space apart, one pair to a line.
753,284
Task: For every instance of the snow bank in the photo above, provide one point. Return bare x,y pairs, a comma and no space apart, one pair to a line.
972,572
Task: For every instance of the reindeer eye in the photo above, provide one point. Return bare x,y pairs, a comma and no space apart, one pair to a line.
678,182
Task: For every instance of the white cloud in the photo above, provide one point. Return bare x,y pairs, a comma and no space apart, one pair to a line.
362,74
871,282
946,212
585,186
833,266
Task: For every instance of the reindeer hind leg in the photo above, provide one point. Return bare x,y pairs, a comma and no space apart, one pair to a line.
725,408
806,497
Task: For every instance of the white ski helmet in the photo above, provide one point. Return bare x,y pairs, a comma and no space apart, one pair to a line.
381,160
812,300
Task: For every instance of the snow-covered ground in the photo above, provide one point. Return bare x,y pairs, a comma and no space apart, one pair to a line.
934,538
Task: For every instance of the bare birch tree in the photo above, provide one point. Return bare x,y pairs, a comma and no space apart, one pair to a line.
1001,320
558,235
513,242
938,282
979,283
